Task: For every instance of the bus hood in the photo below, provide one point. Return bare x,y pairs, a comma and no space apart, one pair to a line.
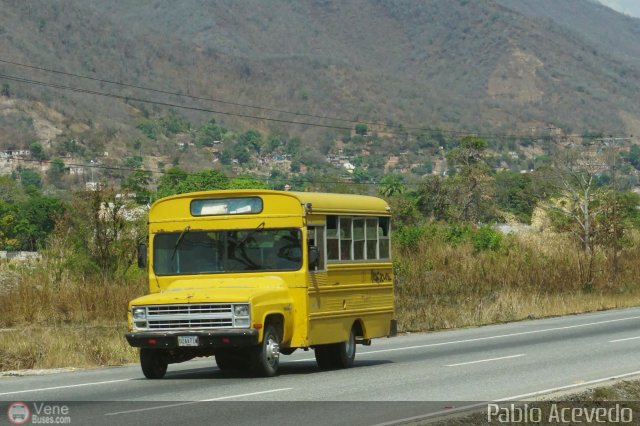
214,290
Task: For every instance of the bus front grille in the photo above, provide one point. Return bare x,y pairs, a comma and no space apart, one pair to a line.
188,316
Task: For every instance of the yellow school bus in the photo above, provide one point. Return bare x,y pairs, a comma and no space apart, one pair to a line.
248,275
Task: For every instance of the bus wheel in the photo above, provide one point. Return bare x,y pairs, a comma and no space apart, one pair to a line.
231,360
265,358
337,355
153,362
323,356
344,353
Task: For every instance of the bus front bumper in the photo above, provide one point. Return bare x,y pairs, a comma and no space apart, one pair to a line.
185,339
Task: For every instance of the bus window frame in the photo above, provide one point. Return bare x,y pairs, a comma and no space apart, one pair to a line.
381,222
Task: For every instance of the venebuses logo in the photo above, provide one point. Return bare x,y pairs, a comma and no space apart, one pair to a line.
18,413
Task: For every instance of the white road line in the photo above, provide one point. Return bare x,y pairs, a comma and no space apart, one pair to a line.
478,339
65,387
624,340
509,398
485,360
179,404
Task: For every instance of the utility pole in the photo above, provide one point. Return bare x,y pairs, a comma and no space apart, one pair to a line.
613,143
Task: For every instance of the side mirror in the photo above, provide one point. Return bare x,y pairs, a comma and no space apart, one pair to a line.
314,256
142,255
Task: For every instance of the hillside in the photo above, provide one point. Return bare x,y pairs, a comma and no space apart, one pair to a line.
499,66
600,26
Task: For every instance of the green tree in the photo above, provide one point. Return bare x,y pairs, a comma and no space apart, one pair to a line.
241,153
138,183
132,162
103,230
361,175
515,194
209,133
56,170
35,219
149,128
247,182
472,184
37,151
390,185
273,143
30,180
252,140
178,182
434,198
7,232
173,124
293,146
361,129
169,181
10,190
634,156
226,156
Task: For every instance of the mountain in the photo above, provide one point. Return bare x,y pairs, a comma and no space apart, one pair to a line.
628,7
496,65
600,26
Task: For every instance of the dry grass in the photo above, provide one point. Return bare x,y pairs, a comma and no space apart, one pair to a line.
52,319
440,285
35,296
51,347
55,320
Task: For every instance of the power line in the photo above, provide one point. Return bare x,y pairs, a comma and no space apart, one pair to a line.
324,117
399,127
166,92
166,104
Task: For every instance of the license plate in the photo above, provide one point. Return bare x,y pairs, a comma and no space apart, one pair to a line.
188,341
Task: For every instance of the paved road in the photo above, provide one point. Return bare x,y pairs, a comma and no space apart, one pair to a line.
414,375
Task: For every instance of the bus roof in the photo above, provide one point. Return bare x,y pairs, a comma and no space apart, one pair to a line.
321,202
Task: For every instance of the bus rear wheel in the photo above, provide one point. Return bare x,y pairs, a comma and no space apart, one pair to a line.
337,355
154,363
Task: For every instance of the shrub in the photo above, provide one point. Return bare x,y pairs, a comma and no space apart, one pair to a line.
486,238
408,236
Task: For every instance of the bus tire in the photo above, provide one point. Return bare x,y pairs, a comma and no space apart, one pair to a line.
337,355
344,353
231,360
323,357
265,358
154,363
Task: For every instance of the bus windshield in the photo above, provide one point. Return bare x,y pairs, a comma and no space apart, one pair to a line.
191,252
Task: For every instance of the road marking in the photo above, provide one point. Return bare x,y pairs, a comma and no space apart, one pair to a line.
624,340
485,360
221,398
65,387
478,339
509,398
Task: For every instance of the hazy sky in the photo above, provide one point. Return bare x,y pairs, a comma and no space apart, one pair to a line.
630,7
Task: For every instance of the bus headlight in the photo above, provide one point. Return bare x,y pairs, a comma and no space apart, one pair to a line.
139,313
241,310
241,315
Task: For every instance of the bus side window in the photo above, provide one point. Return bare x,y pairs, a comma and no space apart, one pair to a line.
315,238
333,240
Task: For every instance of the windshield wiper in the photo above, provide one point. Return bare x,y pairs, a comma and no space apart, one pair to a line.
259,228
179,240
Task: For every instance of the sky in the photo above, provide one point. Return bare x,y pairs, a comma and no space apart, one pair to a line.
630,7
